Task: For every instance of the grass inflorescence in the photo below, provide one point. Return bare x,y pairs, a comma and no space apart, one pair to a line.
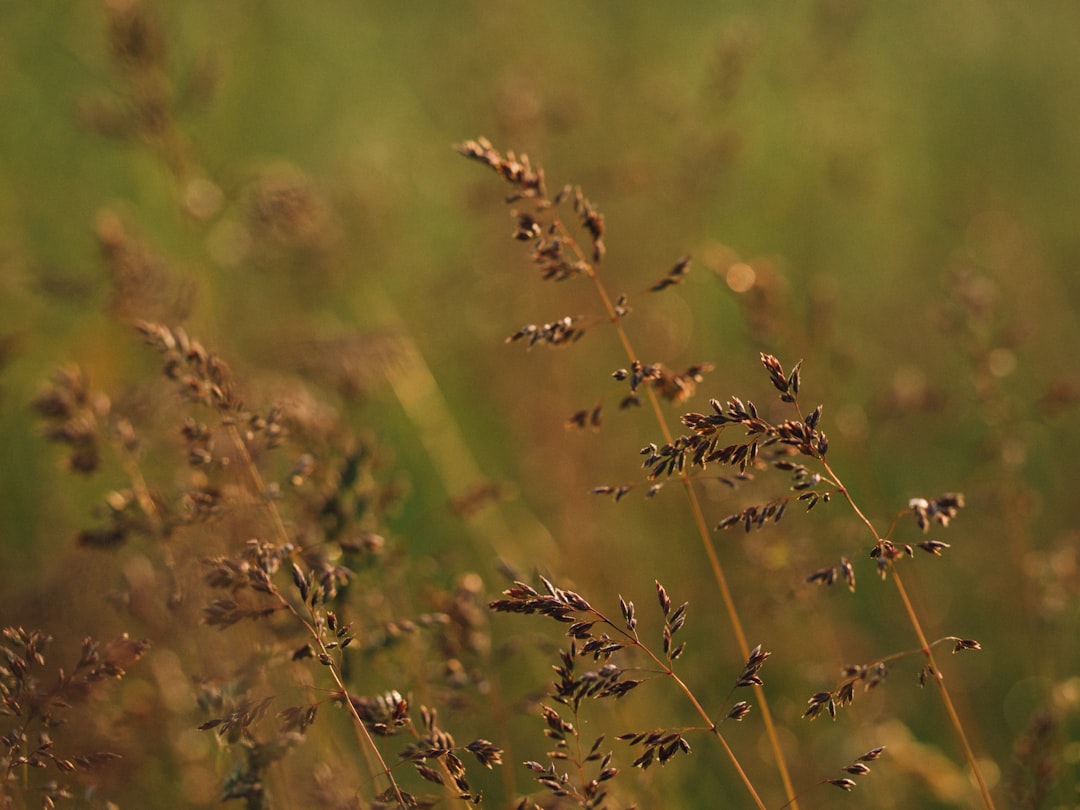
796,446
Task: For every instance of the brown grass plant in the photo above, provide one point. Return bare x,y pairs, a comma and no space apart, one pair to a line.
294,575
574,247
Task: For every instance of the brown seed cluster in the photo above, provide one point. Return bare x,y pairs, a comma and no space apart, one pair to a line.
562,332
74,416
142,284
827,576
555,252
559,604
437,746
940,510
754,663
660,745
587,417
674,276
147,101
679,387
704,441
870,676
570,689
203,376
517,172
856,768
284,209
35,704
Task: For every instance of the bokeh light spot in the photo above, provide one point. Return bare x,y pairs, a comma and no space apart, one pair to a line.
740,277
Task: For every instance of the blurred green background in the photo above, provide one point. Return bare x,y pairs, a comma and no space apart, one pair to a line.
900,178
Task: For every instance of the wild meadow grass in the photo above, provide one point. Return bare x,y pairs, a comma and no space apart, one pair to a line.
696,477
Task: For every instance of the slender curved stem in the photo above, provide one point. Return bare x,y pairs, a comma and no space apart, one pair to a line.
703,532
939,679
712,727
257,483
259,487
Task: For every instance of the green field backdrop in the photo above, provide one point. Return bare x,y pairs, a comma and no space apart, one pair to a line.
886,191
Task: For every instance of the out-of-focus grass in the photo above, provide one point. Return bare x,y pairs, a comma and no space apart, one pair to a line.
867,153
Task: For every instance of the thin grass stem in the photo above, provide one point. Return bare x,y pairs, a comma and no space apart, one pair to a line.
713,728
703,532
939,678
367,742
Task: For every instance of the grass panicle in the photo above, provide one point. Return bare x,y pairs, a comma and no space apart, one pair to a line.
795,446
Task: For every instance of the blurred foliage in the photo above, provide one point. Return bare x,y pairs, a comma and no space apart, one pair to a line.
896,177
